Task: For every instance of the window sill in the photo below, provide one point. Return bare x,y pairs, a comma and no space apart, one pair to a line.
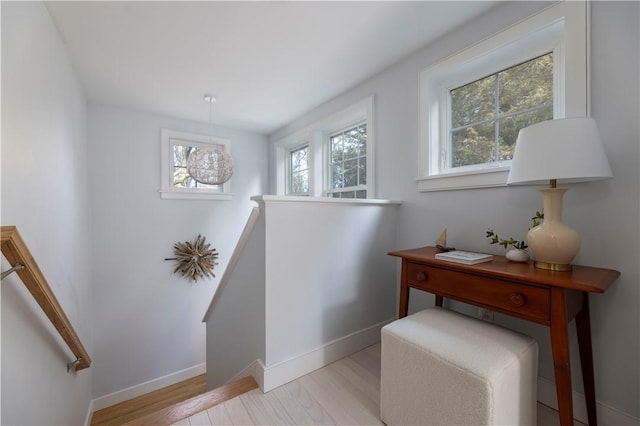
466,180
195,195
324,200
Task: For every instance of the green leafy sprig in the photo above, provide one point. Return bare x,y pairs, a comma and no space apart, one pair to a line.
537,219
520,245
495,239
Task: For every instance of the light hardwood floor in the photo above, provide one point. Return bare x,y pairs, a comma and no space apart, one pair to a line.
346,392
150,403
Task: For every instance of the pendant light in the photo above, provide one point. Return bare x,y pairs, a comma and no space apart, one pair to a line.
210,165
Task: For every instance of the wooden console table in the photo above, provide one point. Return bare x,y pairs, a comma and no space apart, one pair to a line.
520,290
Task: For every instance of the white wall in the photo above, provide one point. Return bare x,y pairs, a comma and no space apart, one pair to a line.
329,285
235,318
148,321
328,274
312,285
45,194
605,213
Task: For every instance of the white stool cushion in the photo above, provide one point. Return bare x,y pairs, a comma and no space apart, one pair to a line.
444,368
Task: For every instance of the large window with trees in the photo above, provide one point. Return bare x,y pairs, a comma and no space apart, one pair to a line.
486,115
473,103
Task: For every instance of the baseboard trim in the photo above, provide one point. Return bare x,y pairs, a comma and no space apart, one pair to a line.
146,387
87,418
606,415
275,375
255,370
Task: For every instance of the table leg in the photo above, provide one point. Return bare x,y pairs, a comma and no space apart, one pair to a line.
583,326
404,301
439,300
404,292
560,349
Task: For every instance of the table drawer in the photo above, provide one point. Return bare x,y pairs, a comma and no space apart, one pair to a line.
520,300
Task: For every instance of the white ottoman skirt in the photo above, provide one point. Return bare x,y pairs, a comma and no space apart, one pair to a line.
444,368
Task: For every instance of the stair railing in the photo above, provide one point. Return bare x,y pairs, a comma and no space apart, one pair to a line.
17,254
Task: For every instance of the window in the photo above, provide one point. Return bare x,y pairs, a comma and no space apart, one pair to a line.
473,104
348,163
181,177
487,114
176,181
332,157
299,171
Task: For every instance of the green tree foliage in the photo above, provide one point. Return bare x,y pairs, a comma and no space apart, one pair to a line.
488,114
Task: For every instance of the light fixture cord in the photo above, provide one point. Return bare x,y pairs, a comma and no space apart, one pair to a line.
211,117
587,58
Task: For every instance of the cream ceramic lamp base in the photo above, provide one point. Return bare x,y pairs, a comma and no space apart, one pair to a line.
553,244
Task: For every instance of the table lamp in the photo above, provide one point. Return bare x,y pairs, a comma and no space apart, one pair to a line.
566,150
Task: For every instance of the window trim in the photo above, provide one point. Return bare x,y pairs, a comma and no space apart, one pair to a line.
561,29
317,135
167,190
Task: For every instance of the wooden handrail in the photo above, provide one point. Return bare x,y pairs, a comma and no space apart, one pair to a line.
15,251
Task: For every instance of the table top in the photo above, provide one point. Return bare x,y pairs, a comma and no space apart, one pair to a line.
582,278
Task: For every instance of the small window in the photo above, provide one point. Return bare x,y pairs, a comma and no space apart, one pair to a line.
487,115
176,181
348,163
181,177
299,171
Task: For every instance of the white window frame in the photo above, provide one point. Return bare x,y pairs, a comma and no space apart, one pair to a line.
561,29
317,135
289,151
169,138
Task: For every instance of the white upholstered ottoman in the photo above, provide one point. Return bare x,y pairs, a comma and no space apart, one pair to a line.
444,368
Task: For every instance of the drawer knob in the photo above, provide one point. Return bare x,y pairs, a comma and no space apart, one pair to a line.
516,299
421,276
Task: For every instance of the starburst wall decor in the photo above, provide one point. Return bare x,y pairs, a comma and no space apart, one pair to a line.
195,259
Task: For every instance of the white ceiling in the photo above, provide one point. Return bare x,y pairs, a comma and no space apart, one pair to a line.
266,62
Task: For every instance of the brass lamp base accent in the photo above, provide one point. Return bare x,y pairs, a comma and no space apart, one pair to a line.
552,266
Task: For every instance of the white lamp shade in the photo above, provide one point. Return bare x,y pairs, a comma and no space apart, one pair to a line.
569,150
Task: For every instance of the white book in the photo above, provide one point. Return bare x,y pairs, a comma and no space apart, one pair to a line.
465,257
